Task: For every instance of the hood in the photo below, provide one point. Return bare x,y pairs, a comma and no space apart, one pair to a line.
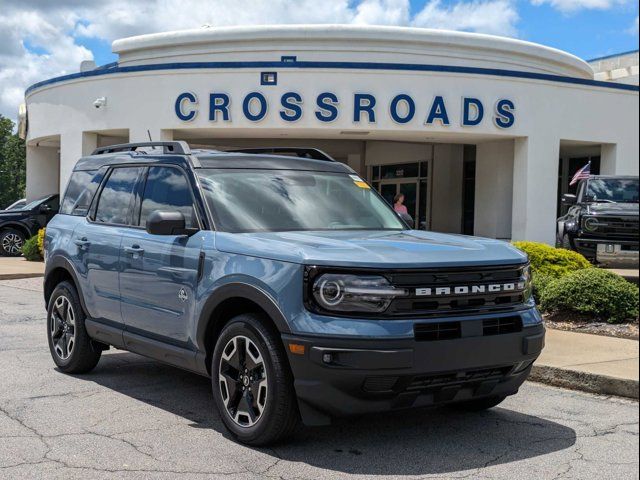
384,249
12,215
606,208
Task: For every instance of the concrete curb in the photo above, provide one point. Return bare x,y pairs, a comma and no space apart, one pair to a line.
17,276
586,382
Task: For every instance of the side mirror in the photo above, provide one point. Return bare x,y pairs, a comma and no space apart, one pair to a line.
569,199
167,223
408,219
44,208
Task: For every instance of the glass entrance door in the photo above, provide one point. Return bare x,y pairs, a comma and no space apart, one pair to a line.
412,180
389,190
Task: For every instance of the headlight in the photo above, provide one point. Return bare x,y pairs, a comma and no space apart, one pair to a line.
354,293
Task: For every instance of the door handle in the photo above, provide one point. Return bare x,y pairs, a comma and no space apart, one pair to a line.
134,249
82,242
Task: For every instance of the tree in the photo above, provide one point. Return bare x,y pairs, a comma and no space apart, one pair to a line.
12,164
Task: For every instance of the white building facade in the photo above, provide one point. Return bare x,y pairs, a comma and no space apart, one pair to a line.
480,133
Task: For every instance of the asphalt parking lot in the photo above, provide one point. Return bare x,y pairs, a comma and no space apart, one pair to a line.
136,418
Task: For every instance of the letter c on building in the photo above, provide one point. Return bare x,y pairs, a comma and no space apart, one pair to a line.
183,98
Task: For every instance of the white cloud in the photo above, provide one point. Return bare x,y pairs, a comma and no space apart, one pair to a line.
634,28
39,39
490,16
570,6
34,46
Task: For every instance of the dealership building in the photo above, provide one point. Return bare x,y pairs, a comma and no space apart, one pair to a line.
480,133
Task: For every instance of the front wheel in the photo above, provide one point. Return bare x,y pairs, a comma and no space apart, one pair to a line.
71,348
252,383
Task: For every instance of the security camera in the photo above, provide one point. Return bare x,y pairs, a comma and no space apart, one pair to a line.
100,102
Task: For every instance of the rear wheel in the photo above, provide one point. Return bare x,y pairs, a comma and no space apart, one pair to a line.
479,404
11,242
71,348
252,384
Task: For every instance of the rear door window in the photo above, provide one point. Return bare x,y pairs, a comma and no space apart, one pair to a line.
80,191
116,197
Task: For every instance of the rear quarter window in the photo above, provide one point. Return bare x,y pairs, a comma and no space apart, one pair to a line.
80,191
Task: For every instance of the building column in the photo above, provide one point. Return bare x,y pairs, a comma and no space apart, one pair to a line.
446,188
43,165
494,189
535,189
72,147
619,159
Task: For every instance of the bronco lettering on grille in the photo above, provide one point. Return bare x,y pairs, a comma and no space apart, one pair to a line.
469,289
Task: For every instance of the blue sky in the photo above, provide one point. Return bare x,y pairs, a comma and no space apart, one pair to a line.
587,33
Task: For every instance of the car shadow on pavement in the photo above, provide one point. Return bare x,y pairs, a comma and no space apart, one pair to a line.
411,442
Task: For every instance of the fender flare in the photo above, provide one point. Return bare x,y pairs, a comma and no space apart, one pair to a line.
59,261
241,290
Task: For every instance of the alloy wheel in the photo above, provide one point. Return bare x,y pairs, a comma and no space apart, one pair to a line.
243,381
62,327
12,243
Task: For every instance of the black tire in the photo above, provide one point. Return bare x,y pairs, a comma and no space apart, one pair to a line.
11,242
479,404
83,355
277,415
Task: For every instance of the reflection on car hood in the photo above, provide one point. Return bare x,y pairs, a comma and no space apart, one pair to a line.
612,208
386,249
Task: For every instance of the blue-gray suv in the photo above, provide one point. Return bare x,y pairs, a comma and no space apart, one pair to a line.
286,279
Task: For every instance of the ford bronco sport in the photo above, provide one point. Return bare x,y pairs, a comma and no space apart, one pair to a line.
287,280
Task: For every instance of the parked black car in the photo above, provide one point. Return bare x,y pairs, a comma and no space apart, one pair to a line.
18,225
602,221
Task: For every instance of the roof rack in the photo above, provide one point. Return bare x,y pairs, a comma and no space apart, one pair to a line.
303,152
178,147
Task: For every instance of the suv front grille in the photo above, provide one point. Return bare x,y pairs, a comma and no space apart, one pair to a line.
500,326
618,227
451,303
436,331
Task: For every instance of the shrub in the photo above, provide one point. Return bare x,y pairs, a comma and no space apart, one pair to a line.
540,282
594,292
41,234
30,249
550,261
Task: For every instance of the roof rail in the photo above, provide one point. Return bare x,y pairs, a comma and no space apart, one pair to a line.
303,152
177,147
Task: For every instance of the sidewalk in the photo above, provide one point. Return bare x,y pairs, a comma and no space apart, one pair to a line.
630,274
17,267
592,363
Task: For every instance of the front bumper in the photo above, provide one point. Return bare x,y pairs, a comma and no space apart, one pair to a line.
609,252
339,376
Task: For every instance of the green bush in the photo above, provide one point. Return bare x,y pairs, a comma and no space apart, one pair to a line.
594,292
31,251
540,282
550,261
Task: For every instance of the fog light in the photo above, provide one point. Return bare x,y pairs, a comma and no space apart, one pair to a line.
327,358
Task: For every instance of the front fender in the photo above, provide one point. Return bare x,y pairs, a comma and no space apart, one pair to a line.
238,289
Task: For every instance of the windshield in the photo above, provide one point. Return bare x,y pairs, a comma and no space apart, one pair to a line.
619,190
34,204
276,200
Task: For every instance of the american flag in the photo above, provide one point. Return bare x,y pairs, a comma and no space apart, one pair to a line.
581,174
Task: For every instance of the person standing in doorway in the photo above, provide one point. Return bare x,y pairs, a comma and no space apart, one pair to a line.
398,204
